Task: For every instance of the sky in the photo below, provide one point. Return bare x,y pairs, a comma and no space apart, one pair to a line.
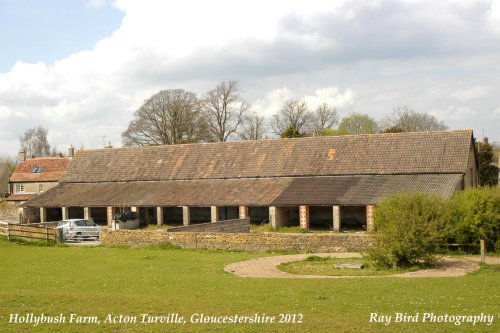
81,68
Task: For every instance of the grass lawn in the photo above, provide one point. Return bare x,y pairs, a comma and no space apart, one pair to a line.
161,281
314,265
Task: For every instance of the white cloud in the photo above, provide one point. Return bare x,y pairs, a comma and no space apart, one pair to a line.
332,96
273,101
454,113
438,56
469,94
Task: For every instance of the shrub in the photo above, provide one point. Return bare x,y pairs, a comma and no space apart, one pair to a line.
409,231
474,214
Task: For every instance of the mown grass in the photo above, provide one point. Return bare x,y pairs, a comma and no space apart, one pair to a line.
161,280
314,265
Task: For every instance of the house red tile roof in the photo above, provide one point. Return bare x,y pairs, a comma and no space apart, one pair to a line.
52,169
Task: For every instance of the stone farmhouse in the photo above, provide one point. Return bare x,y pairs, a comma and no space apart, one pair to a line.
34,176
317,182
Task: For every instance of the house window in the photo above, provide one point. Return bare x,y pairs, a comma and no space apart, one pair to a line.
40,188
37,169
19,188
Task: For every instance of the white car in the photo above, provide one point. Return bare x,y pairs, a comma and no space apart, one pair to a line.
79,229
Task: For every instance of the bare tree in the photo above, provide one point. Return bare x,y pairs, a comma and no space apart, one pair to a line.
226,109
407,120
294,114
34,142
169,117
325,117
253,127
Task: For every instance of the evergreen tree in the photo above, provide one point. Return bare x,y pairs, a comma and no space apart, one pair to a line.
488,174
291,132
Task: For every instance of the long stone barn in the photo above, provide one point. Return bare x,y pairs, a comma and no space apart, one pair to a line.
330,183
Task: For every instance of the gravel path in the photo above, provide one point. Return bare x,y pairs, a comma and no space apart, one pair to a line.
266,267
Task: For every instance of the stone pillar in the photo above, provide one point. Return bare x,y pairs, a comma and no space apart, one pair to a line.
186,215
159,216
65,213
87,213
272,216
110,215
20,212
243,212
214,214
43,214
135,209
304,217
336,218
370,224
278,216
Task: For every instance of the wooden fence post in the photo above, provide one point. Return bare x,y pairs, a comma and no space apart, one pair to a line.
483,250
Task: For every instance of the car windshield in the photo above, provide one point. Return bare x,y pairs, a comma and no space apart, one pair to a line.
84,223
61,223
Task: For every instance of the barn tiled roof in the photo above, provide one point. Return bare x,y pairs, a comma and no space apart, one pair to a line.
339,190
53,168
20,197
398,153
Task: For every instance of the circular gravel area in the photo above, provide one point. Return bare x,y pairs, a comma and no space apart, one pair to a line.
266,267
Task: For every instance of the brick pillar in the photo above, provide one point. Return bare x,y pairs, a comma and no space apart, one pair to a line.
65,213
186,215
304,217
243,212
43,214
87,213
159,216
336,218
370,224
110,215
214,213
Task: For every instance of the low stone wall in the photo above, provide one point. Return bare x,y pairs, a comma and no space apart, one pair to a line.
9,212
238,225
259,242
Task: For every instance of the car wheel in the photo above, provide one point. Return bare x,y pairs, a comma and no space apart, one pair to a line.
78,236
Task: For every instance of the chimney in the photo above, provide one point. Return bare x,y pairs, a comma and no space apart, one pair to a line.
22,155
71,151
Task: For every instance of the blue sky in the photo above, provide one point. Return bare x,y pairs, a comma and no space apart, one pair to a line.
49,30
81,68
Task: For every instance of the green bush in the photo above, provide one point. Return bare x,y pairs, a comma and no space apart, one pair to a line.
474,214
410,229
